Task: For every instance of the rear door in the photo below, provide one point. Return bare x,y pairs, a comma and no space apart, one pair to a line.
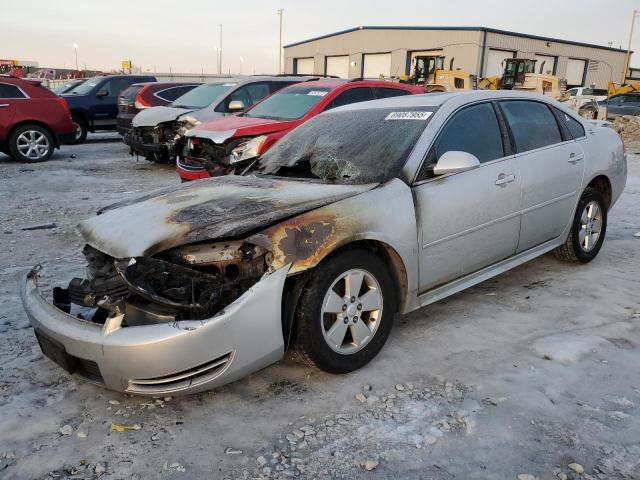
9,96
467,220
551,163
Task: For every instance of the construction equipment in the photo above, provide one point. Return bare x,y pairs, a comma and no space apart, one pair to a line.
428,71
520,74
628,87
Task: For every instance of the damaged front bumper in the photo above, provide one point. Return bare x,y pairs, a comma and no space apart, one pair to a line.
184,356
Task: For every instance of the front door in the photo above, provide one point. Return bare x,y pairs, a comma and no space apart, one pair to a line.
467,220
551,165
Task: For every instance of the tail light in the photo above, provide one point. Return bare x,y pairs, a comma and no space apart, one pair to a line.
139,102
64,105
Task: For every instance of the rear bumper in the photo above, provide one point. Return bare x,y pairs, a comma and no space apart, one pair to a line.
178,357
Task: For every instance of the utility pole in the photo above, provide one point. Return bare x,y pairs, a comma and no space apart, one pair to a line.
220,68
280,12
75,47
626,63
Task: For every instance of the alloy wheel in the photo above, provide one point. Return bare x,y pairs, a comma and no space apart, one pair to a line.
351,311
590,226
33,144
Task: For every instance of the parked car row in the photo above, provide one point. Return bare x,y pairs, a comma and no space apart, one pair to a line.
363,210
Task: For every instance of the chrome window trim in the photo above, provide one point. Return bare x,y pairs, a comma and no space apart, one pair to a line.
157,94
26,95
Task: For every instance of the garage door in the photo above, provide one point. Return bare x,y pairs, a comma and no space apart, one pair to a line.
575,72
376,64
494,62
549,64
305,66
338,66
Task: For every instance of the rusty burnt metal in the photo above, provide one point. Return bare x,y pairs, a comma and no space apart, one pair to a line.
209,209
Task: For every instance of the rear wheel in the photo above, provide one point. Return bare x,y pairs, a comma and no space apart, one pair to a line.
588,229
345,313
31,143
81,129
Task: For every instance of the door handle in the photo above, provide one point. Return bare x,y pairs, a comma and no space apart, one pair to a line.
4,105
503,179
575,158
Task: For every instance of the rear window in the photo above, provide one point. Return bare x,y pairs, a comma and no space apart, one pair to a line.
353,146
203,96
172,93
532,123
10,91
389,92
129,94
290,103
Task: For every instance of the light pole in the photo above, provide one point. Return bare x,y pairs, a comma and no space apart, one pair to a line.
217,50
280,12
220,72
241,62
75,47
626,63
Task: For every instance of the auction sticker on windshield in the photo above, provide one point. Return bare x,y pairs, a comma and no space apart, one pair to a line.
408,116
317,93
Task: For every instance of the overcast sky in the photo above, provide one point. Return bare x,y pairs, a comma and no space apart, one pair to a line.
181,35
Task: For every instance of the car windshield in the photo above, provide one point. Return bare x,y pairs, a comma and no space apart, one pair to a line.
289,104
202,96
64,88
85,87
354,146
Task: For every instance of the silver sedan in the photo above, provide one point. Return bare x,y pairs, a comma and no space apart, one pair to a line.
363,212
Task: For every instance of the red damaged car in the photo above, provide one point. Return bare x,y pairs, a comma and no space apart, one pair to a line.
224,145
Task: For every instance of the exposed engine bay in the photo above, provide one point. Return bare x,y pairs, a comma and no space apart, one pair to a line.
191,282
216,159
167,139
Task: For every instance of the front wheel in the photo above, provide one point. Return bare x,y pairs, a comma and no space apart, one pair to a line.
31,143
345,313
587,230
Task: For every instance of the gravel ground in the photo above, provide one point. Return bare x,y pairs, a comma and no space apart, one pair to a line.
533,374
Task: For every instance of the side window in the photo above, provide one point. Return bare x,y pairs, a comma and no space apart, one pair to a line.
574,126
353,95
170,94
532,124
249,94
389,92
474,130
115,86
10,91
632,98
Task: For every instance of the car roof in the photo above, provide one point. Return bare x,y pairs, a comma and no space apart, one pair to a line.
261,78
438,99
336,82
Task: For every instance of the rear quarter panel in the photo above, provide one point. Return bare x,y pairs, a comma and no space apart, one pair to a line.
604,155
44,110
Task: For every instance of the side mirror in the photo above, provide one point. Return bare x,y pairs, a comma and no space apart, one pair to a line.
102,93
455,162
236,106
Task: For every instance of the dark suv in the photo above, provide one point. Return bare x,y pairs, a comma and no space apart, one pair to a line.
94,103
157,133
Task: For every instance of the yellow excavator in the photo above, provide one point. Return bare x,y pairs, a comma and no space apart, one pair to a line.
629,87
519,74
428,70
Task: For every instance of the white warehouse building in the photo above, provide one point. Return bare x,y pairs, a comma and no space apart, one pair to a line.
373,51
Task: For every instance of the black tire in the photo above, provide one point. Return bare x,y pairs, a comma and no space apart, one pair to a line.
33,131
572,250
81,130
309,340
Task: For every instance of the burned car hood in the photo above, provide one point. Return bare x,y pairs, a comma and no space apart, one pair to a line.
222,129
205,210
150,117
